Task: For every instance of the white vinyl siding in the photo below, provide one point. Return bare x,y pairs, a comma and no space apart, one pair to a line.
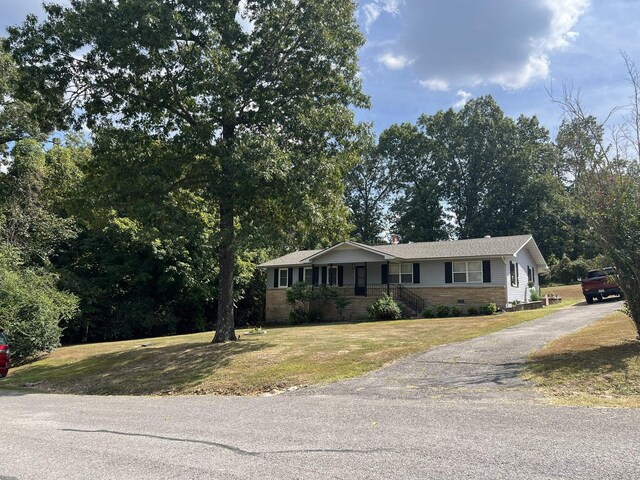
520,291
348,254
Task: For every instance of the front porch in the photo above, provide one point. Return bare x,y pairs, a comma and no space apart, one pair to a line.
408,299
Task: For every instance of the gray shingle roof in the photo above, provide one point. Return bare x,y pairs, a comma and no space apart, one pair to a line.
475,247
289,259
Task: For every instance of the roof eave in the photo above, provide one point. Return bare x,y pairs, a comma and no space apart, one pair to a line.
367,248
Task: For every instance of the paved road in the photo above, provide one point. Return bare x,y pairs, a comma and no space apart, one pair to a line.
366,428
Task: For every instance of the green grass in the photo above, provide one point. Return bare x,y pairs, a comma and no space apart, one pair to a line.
571,293
596,366
281,358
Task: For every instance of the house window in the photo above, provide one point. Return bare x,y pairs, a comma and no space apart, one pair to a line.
308,276
460,272
283,277
332,275
513,270
530,274
400,273
467,272
474,272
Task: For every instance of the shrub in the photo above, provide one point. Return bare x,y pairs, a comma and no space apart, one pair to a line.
384,308
456,312
442,311
428,313
341,304
534,296
489,309
473,310
299,315
31,308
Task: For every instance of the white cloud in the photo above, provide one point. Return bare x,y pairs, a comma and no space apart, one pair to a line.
371,11
394,62
464,97
461,43
435,84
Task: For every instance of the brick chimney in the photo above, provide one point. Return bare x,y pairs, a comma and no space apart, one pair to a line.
395,239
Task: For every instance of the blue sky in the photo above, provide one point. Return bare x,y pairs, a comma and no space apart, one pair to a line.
425,55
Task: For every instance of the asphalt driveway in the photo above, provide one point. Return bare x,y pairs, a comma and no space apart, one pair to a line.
455,412
482,368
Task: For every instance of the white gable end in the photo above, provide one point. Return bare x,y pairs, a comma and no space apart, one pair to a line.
347,254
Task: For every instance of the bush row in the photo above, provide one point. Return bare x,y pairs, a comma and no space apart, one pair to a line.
442,311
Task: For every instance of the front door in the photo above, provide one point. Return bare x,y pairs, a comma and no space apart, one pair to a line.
361,281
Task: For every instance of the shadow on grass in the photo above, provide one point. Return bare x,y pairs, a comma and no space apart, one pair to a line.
138,371
613,359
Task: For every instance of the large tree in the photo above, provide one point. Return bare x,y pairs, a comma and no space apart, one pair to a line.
416,209
605,177
18,119
494,174
369,186
251,98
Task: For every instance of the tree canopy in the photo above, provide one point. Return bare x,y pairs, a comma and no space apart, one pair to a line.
247,116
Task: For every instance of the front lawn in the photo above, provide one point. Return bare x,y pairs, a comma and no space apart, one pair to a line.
283,357
567,292
596,366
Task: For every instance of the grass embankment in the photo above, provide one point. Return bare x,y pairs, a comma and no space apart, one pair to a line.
283,357
572,293
596,366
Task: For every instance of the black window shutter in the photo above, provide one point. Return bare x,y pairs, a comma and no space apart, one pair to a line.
340,275
448,272
486,271
314,275
276,276
517,275
384,276
324,275
290,277
416,273
301,274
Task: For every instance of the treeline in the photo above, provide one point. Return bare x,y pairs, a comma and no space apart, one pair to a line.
469,173
212,148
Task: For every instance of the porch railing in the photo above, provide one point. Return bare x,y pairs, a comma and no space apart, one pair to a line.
410,299
397,291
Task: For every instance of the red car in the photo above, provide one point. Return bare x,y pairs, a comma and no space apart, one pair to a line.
5,356
599,284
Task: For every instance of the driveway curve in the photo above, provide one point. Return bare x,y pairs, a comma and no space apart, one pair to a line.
482,368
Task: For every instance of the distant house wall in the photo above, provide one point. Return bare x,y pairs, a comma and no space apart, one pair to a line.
520,292
432,288
432,272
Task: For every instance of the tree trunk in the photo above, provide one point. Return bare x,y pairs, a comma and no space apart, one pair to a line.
225,325
225,330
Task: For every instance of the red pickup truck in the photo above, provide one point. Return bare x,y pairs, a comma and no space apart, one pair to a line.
5,358
600,283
